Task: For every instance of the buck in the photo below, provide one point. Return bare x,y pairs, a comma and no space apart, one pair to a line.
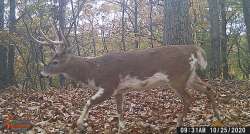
115,74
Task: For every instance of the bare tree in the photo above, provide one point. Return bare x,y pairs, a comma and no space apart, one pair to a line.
75,22
91,21
214,17
11,52
103,35
136,23
61,18
123,5
177,23
3,50
151,23
246,11
224,40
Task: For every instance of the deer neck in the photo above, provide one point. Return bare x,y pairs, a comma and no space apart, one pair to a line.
79,68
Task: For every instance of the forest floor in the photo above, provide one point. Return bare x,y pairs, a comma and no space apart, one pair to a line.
148,111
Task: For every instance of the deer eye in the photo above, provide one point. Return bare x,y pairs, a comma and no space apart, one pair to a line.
55,62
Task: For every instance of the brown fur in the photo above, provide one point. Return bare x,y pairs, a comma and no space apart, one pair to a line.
107,71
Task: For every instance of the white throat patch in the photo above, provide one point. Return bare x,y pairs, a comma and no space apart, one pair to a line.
192,61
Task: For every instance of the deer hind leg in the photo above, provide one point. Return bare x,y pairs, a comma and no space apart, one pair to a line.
99,97
205,88
185,98
119,104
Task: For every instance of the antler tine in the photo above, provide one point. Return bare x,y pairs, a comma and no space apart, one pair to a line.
62,36
66,43
49,40
33,38
39,41
54,30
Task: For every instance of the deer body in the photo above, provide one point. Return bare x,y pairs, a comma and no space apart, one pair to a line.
135,69
117,73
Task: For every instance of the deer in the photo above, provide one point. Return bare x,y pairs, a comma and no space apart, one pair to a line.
115,74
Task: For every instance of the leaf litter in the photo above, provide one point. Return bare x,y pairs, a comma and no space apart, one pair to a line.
150,111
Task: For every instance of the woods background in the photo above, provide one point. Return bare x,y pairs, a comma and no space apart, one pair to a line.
96,27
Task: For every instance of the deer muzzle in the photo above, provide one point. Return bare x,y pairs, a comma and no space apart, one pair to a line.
44,74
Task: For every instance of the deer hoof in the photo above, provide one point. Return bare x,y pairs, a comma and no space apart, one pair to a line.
81,124
179,122
121,124
82,128
81,121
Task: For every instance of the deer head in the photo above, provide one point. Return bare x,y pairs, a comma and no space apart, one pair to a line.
58,62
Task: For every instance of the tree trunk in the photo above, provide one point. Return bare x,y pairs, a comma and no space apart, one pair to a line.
93,36
62,6
105,48
177,23
1,14
11,52
3,66
61,17
151,23
123,25
246,12
136,23
224,40
75,27
214,17
3,51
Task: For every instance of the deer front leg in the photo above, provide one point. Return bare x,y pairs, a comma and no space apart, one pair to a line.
186,100
205,88
119,104
99,97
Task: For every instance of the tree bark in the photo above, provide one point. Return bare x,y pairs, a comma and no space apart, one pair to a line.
224,41
123,25
214,17
3,66
246,11
3,51
75,27
136,23
177,23
61,18
151,23
1,14
104,44
11,52
93,35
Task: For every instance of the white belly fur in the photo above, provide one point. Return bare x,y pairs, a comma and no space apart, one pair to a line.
133,83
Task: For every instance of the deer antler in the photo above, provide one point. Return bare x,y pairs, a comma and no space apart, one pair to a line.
47,41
